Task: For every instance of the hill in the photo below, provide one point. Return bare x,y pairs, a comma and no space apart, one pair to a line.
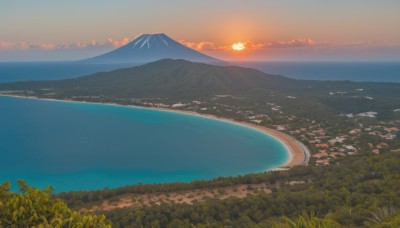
163,78
170,81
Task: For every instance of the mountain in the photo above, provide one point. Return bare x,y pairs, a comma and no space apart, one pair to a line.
163,78
149,48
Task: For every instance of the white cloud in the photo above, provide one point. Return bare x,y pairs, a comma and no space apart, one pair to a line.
7,45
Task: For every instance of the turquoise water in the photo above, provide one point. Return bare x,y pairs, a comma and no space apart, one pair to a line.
80,146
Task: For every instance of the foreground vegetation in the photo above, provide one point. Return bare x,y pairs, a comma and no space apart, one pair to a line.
356,191
35,208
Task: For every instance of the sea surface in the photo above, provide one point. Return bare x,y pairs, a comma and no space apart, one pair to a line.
82,146
333,71
27,71
353,71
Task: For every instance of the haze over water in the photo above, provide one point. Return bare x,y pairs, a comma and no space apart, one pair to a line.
80,146
353,71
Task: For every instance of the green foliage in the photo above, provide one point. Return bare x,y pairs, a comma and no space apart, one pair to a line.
81,198
163,78
357,191
35,208
308,221
184,81
385,217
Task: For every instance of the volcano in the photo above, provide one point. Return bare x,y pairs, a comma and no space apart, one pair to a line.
152,47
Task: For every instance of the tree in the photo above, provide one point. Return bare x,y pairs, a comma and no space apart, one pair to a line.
385,217
310,221
33,207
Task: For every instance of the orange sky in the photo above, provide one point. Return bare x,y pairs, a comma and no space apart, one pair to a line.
272,30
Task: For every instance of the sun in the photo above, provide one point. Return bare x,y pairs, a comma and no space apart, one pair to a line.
239,46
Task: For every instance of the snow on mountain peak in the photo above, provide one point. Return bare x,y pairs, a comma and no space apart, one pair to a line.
151,47
150,40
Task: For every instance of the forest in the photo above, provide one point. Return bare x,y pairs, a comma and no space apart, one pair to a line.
357,191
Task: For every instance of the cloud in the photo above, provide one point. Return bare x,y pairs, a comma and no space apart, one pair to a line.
291,43
202,45
210,46
295,43
7,45
118,43
13,45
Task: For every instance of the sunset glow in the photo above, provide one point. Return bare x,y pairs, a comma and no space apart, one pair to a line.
239,46
256,31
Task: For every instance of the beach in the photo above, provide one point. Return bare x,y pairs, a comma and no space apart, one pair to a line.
298,154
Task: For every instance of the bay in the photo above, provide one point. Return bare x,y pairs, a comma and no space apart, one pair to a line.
83,146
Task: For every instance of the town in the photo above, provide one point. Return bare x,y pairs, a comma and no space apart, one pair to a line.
327,139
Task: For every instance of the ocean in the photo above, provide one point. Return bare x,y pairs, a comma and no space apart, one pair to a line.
332,71
353,71
27,71
82,146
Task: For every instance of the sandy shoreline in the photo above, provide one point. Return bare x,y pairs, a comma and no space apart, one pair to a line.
298,154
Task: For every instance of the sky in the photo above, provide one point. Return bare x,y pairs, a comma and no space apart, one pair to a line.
281,30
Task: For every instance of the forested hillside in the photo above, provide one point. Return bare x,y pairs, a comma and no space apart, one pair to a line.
170,81
354,191
357,191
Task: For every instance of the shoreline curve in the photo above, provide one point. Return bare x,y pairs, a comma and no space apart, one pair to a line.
298,153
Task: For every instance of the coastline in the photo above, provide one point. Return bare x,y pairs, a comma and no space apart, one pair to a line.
298,153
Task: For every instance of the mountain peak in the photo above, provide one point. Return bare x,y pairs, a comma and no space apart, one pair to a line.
152,47
151,40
